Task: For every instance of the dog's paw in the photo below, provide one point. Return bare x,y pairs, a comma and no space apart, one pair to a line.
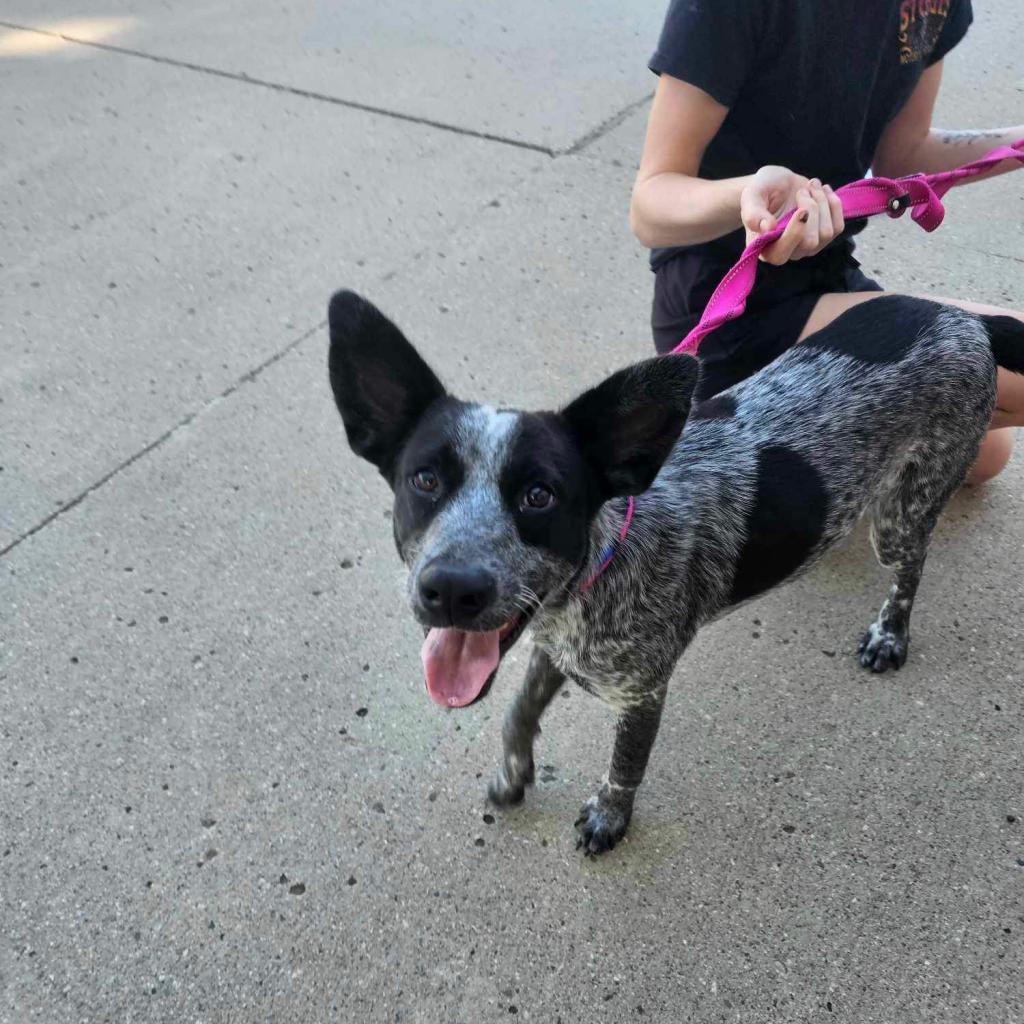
882,649
508,787
603,822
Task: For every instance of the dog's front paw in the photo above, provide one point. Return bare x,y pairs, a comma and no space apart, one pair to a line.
509,784
883,648
603,820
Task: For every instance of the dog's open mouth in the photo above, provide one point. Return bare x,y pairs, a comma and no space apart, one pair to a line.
458,665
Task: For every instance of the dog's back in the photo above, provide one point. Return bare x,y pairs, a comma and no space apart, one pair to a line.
794,455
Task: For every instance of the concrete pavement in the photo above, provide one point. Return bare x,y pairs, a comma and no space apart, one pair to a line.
224,796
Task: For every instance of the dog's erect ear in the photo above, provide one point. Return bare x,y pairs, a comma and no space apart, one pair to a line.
381,384
627,425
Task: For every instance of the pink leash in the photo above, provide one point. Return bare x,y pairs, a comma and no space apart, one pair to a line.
865,198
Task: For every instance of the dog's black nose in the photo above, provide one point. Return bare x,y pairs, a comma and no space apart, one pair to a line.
454,595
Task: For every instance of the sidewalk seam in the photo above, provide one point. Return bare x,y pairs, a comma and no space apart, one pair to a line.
241,76
245,378
605,126
572,149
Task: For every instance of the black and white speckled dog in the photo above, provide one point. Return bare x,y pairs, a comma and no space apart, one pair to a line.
500,515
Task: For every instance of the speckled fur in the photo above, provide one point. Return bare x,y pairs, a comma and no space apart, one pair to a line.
890,440
887,426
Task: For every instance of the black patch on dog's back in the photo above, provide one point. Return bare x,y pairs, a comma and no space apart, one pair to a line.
721,407
881,330
1007,337
785,522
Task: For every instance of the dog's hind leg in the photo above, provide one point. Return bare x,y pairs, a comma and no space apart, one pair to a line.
901,529
605,816
522,723
887,640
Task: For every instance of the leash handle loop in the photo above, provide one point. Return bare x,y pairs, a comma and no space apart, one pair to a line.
920,193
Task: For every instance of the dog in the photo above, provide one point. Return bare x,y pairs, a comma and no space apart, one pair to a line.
509,519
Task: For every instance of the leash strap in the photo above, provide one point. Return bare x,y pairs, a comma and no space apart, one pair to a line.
921,193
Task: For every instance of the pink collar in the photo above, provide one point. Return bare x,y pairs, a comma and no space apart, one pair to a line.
609,552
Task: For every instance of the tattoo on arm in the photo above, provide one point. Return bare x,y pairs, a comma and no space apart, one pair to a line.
967,137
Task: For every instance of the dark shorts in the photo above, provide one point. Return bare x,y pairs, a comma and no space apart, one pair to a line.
768,328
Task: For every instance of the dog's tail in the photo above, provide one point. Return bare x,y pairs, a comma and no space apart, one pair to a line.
1006,334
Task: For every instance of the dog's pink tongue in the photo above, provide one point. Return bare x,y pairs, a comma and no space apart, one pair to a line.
457,664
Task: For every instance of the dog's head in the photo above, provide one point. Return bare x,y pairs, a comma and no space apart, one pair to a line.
493,508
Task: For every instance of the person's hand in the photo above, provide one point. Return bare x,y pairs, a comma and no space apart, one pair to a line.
774,191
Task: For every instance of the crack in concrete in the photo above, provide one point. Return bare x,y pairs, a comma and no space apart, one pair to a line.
292,90
246,378
991,255
606,126
240,76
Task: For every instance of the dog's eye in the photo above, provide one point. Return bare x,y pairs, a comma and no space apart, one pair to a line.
537,498
425,481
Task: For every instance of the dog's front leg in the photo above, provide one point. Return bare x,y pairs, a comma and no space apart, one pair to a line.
604,817
522,723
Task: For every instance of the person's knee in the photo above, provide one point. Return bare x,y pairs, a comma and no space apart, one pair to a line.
994,454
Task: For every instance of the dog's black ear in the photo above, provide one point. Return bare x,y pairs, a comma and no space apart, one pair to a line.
381,384
627,425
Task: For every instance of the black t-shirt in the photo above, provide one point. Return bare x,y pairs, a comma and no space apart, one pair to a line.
810,85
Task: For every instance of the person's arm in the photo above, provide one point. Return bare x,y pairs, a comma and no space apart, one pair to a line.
910,144
672,206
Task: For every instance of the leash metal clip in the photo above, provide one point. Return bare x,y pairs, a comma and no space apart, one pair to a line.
898,205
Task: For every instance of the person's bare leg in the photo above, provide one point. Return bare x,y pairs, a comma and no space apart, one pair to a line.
997,447
993,455
832,305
